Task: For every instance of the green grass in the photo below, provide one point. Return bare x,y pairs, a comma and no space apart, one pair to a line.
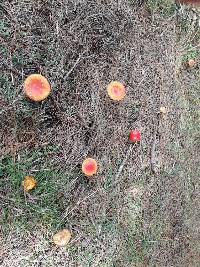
165,7
191,52
191,129
7,87
137,243
108,179
45,203
4,29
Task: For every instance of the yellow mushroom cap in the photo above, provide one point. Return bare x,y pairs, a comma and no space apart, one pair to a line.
29,183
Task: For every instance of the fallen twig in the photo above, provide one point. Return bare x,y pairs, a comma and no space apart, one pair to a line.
10,68
74,66
123,162
77,204
153,155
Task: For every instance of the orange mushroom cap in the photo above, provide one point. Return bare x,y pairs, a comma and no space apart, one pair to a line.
89,167
116,90
29,183
62,238
36,87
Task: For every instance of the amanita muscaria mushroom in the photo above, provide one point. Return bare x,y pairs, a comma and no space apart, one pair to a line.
135,135
116,90
36,87
29,183
89,167
62,238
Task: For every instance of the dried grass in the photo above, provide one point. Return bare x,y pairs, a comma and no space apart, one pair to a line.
80,46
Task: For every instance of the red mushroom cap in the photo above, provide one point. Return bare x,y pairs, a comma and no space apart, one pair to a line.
135,135
89,167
